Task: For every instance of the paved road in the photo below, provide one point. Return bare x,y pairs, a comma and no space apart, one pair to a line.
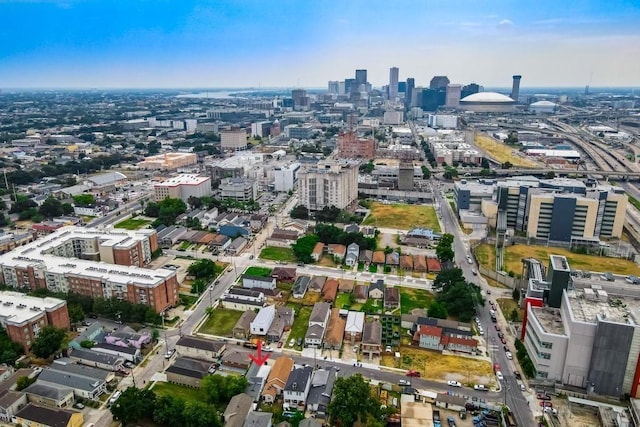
118,213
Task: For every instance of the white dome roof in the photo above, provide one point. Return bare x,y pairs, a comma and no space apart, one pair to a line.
543,104
482,97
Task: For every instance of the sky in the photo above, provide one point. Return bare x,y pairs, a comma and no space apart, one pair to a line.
305,43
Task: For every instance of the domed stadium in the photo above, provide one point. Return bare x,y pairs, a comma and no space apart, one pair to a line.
488,102
543,107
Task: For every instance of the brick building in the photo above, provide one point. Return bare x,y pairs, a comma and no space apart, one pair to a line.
351,147
24,316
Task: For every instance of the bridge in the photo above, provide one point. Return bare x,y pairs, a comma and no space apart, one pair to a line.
518,171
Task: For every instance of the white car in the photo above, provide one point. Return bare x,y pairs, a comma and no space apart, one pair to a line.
509,355
499,376
523,387
454,384
481,387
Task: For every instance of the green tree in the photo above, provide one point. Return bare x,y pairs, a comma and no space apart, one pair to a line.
444,249
450,173
352,401
203,269
168,410
300,212
368,167
152,209
50,208
67,209
48,341
437,310
219,389
134,404
24,382
9,350
84,200
515,294
460,301
514,315
303,247
198,285
197,414
426,173
76,313
507,165
194,202
22,203
87,344
447,278
485,163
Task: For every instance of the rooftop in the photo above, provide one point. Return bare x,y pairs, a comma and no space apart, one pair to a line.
587,305
549,319
17,308
183,179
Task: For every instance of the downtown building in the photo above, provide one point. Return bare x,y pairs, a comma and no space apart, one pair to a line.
350,146
182,187
95,263
168,161
328,184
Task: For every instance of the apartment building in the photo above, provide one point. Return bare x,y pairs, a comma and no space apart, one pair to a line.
182,187
24,316
352,147
285,177
96,263
233,140
168,161
328,184
238,189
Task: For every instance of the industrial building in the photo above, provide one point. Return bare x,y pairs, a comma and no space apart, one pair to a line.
168,161
328,184
285,177
182,187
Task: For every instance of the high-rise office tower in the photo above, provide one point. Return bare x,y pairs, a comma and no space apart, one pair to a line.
515,89
470,89
453,96
439,82
393,83
334,87
361,77
408,95
297,95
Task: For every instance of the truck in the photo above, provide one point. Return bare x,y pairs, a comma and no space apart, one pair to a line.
436,418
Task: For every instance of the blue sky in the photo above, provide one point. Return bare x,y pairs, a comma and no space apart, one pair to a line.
186,43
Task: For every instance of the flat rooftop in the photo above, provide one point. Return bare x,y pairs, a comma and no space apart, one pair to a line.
114,237
16,307
559,262
587,305
183,179
549,319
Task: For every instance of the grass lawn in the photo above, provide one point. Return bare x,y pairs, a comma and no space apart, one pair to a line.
341,300
327,261
184,246
438,366
259,271
507,305
175,390
373,268
132,223
221,322
372,306
403,217
300,324
503,153
310,298
187,300
275,253
414,298
486,255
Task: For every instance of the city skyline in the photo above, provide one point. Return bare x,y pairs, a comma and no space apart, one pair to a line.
194,44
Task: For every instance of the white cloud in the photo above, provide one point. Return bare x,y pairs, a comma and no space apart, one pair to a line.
506,24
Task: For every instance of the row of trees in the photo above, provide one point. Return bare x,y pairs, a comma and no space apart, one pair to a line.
166,211
9,350
327,214
204,270
27,208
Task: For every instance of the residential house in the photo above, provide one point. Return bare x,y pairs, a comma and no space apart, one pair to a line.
345,285
188,372
67,366
249,282
335,330
419,264
318,251
337,251
242,328
262,322
460,344
393,259
297,225
128,339
287,314
310,422
391,298
433,265
97,359
237,245
361,293
353,252
170,236
258,419
220,243
200,348
282,238
82,386
372,339
10,380
351,228
300,286
318,322
235,361
95,332
429,337
11,402
379,257
41,416
376,289
406,262
320,392
317,283
366,256
297,388
208,217
330,290
131,354
242,299
354,326
50,395
256,379
442,334
314,336
237,410
258,221
284,274
277,379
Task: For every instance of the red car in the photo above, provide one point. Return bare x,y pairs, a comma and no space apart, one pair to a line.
503,340
542,396
546,404
413,373
279,344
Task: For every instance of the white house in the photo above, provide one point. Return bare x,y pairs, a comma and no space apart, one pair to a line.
353,252
353,327
317,324
263,320
258,282
297,389
209,217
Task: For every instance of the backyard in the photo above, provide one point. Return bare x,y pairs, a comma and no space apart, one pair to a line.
300,324
343,300
414,298
438,366
221,322
503,153
486,255
402,217
175,390
132,223
275,253
258,271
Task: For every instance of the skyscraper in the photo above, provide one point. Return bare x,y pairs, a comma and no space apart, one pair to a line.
453,95
408,95
393,83
470,89
515,89
334,87
439,82
361,77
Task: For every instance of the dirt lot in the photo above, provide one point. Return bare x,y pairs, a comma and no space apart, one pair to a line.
503,153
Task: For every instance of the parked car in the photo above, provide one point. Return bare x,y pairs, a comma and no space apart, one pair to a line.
413,373
508,355
499,376
279,344
389,349
546,403
168,354
404,383
503,341
500,334
517,375
451,421
454,384
299,341
78,405
523,387
543,396
115,397
481,387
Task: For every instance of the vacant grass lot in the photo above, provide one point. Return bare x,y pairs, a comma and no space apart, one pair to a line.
486,255
132,224
182,392
221,322
275,253
259,271
300,325
327,261
438,366
503,153
414,298
507,305
402,217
